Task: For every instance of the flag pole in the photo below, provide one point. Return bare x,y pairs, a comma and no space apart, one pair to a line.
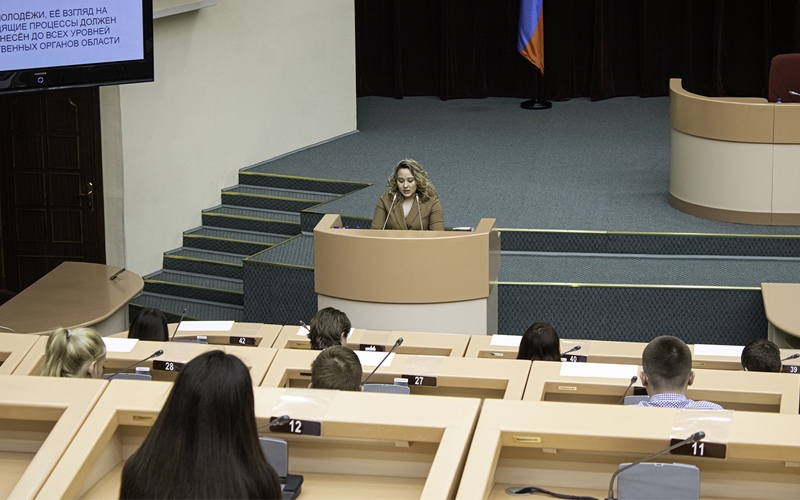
530,43
537,102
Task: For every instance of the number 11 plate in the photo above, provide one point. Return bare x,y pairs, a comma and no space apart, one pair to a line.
700,449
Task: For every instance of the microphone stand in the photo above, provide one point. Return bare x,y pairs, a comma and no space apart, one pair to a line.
154,355
389,213
183,315
395,346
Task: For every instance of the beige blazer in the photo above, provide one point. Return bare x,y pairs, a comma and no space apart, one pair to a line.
432,218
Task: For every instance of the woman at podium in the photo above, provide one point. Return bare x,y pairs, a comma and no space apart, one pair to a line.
410,201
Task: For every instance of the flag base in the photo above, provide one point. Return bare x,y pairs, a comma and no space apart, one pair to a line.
536,104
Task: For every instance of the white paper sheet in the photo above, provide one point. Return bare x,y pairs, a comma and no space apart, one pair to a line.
718,350
599,370
369,358
506,340
206,326
119,345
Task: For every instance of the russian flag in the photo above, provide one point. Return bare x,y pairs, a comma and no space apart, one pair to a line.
530,42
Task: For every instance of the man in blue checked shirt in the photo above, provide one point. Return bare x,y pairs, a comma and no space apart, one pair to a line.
667,373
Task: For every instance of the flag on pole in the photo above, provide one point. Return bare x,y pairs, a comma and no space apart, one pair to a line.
530,42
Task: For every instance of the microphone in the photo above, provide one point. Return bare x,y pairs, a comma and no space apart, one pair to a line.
395,346
576,348
154,355
793,356
12,331
697,436
117,274
282,420
183,315
793,92
420,214
304,325
633,381
389,213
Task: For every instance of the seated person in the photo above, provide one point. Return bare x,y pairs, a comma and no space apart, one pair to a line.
409,197
328,327
667,373
149,324
540,342
761,355
213,454
78,353
338,368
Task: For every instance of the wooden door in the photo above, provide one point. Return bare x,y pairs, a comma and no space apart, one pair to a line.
51,185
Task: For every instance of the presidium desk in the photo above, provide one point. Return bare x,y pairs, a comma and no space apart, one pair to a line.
420,281
734,159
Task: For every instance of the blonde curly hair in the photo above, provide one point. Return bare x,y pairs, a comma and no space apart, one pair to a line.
424,187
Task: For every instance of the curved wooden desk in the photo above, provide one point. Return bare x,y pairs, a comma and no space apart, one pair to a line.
73,295
734,159
448,284
782,306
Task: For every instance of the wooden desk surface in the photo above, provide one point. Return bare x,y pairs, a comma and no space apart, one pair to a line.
414,447
743,391
13,348
39,416
72,295
460,377
781,306
260,334
425,344
257,360
557,446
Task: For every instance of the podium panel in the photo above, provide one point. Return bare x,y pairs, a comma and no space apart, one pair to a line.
436,376
164,367
558,447
13,348
370,445
427,344
39,416
742,391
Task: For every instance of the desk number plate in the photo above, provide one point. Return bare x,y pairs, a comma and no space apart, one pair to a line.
242,341
372,347
574,359
167,366
700,449
790,369
308,427
420,380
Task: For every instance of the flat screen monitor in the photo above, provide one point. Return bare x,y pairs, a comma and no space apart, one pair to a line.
48,44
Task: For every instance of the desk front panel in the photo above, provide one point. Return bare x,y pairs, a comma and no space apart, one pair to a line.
13,349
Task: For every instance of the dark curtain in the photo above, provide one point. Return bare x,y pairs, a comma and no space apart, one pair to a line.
595,48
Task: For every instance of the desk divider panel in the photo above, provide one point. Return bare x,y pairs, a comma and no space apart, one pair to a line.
13,348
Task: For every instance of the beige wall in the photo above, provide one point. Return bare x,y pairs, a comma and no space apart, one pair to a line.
236,84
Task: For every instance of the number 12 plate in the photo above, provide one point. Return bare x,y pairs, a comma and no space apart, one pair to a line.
308,427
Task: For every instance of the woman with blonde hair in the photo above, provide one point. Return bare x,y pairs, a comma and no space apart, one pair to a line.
410,201
78,353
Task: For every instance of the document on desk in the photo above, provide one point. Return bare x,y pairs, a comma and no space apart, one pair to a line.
206,326
119,345
372,358
598,370
506,340
718,350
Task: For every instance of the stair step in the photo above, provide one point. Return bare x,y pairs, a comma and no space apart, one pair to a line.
252,219
195,286
192,260
255,178
195,309
270,198
230,240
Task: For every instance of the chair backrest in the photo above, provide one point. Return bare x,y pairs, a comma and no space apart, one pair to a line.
658,481
784,75
387,388
276,451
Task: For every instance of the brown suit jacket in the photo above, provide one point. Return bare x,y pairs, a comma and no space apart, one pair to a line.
432,218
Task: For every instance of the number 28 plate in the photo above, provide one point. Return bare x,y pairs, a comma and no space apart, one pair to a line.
167,366
308,427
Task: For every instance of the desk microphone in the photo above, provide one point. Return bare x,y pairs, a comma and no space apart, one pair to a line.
697,436
420,214
12,331
793,356
304,325
395,346
633,381
282,420
576,348
154,355
793,92
183,315
388,214
116,274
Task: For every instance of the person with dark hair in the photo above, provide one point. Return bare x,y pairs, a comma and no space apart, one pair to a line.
204,443
761,355
540,343
338,368
667,373
149,324
328,327
409,197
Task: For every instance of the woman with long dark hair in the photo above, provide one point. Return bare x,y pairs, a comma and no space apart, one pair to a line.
204,443
540,342
149,324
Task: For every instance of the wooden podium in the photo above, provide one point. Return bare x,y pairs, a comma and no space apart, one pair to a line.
419,281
